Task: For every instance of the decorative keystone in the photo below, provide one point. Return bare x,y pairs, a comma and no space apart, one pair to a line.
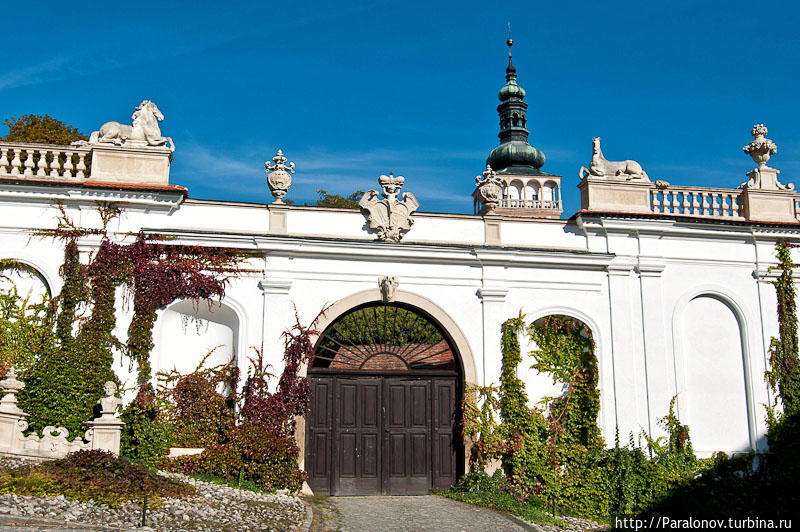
490,189
388,286
278,177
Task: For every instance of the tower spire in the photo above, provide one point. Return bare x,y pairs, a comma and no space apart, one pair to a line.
511,71
515,154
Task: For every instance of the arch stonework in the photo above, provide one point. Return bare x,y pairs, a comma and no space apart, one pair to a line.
448,324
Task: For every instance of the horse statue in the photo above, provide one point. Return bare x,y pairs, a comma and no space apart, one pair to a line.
144,129
600,167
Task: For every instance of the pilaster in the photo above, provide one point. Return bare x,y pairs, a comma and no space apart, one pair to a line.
492,302
629,379
659,373
277,317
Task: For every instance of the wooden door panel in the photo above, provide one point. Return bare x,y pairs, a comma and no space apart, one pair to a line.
319,436
358,435
444,432
408,432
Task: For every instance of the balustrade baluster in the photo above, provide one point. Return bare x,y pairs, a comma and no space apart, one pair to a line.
41,166
55,164
16,163
676,203
28,172
68,163
664,202
653,200
686,204
3,161
81,165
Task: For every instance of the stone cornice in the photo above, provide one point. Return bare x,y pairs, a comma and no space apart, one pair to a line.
72,193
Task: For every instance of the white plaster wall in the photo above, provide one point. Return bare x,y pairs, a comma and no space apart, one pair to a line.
715,405
629,279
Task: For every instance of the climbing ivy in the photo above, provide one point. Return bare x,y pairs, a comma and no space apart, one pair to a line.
555,456
784,373
65,383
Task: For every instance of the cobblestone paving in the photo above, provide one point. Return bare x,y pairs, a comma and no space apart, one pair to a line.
427,513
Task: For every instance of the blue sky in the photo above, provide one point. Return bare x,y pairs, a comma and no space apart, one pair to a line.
350,91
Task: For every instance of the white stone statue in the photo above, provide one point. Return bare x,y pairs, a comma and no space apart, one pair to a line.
388,285
109,403
600,167
390,217
490,189
143,132
760,149
278,177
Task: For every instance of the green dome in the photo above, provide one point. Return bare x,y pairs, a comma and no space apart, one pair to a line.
517,154
511,90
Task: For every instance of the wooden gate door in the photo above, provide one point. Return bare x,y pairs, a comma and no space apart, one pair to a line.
357,418
408,436
381,435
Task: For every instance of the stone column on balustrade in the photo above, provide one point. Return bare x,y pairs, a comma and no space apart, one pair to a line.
12,418
277,318
492,303
105,431
764,197
659,373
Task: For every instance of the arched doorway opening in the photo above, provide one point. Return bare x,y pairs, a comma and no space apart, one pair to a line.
386,387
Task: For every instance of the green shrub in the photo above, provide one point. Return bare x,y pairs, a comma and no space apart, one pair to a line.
251,454
96,476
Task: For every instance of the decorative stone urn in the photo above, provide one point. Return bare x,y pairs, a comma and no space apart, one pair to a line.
278,177
490,189
760,148
11,387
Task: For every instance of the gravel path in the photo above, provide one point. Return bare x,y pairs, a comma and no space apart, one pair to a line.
212,507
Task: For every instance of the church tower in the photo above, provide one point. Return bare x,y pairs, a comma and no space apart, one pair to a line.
527,191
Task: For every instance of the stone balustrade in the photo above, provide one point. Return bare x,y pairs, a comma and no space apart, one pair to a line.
44,161
697,201
746,203
510,203
104,432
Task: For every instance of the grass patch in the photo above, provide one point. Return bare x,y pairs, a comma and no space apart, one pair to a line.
495,492
506,503
91,476
241,483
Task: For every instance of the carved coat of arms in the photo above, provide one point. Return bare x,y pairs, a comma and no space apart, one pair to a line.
389,217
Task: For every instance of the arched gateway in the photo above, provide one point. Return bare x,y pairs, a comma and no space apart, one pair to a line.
386,386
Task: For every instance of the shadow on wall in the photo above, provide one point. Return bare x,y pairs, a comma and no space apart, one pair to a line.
755,485
187,331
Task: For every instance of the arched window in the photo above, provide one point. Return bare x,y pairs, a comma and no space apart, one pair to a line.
532,194
28,281
383,337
